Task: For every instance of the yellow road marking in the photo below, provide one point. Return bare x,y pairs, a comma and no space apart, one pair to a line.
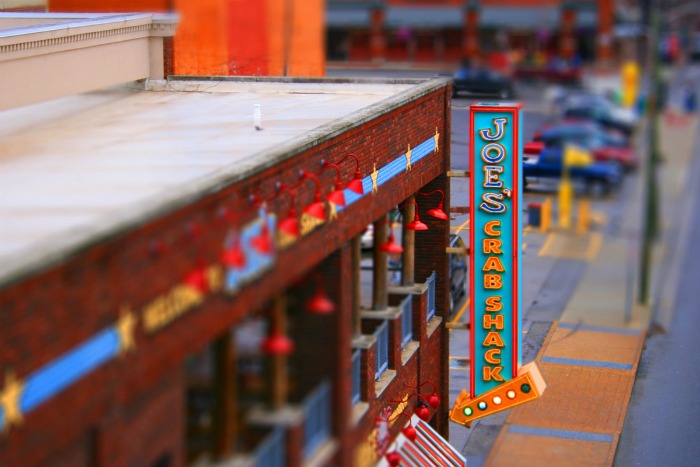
461,311
461,227
545,246
594,246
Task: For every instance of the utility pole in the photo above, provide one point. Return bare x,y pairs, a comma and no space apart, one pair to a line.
650,206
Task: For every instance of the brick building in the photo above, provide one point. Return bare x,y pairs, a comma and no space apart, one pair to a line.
169,248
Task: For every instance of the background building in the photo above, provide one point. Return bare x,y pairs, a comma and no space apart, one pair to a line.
448,31
225,37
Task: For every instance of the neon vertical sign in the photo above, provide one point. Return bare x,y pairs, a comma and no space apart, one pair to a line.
498,381
496,234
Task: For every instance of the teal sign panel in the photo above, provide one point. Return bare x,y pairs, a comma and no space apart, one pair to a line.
496,238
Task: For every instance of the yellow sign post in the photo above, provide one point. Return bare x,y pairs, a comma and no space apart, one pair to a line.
574,156
630,83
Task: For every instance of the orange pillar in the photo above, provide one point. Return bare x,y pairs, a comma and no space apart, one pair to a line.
377,40
567,38
605,31
470,43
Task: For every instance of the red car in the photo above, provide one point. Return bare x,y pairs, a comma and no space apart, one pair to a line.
604,146
555,72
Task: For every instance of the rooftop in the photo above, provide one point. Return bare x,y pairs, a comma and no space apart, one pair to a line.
77,169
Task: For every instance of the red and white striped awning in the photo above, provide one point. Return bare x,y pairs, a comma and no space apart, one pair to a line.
428,449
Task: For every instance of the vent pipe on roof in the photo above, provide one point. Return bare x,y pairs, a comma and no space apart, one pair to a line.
257,117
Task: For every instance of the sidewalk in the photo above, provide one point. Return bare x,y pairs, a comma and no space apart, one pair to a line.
590,356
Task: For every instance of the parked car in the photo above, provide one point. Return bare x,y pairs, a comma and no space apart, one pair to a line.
599,177
601,114
604,146
694,48
367,239
482,81
556,71
584,97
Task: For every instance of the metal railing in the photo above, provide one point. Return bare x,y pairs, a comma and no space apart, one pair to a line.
431,296
382,334
406,320
271,452
317,425
356,376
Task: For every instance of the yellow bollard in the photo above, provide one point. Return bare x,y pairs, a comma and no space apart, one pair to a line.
566,195
582,220
546,216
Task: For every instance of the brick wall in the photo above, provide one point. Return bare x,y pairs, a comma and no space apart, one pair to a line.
53,311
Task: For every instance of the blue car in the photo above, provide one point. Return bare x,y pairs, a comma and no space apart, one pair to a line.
597,176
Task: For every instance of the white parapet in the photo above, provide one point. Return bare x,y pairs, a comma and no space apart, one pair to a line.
49,55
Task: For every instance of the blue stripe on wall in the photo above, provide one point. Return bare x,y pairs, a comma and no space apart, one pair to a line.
65,370
351,196
255,262
389,171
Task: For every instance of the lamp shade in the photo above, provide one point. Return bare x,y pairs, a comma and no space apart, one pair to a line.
390,246
197,279
423,413
317,209
434,400
416,224
409,432
262,243
355,185
337,196
233,256
278,344
438,212
290,225
320,304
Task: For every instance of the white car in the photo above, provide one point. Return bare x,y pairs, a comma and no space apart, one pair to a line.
367,241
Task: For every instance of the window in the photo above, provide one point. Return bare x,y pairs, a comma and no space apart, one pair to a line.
382,334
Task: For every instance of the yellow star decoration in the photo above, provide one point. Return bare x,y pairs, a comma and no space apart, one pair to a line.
437,140
9,400
374,176
409,153
309,223
125,329
284,240
333,211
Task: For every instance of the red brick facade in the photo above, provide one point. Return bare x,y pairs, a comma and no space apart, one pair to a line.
129,411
